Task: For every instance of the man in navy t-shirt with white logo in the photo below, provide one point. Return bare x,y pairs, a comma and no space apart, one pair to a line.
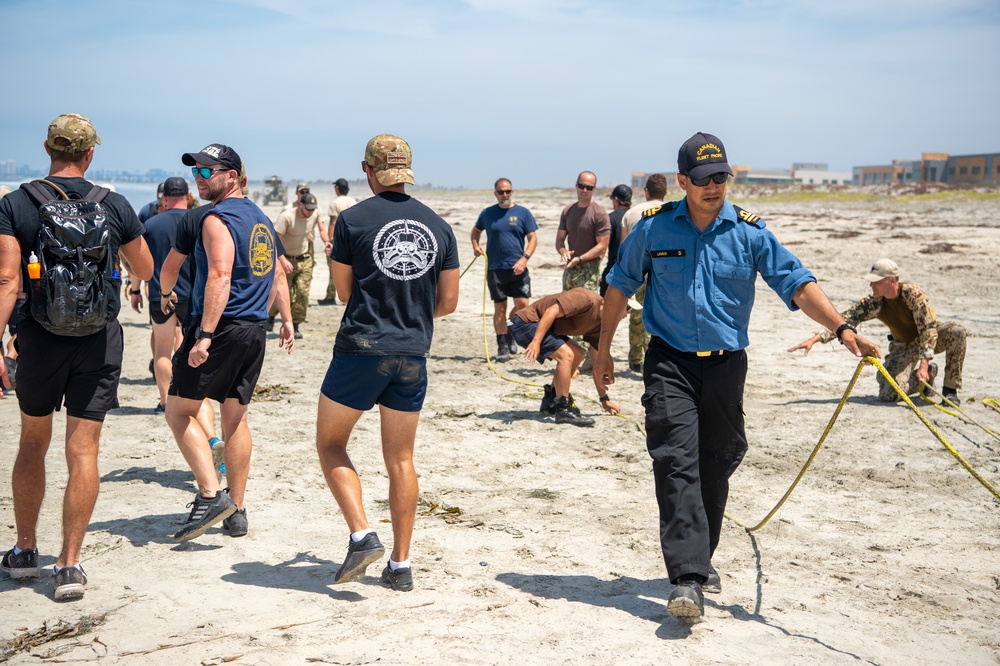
511,239
395,265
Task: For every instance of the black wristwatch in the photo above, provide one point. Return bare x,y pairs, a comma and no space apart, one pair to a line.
605,397
201,334
526,255
135,292
845,327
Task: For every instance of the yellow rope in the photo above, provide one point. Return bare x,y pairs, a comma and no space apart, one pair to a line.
957,411
486,335
992,404
937,433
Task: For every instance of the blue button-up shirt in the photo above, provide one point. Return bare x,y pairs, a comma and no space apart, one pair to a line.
701,284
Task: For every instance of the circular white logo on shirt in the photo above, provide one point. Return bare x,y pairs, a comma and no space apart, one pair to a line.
405,249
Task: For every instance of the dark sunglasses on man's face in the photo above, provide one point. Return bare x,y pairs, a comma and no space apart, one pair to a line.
206,172
504,192
717,178
581,186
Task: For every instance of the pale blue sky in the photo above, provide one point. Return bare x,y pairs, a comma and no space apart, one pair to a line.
535,90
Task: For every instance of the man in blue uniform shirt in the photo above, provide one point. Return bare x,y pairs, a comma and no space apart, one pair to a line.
699,258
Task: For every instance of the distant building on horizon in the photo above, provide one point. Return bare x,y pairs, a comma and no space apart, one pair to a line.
980,169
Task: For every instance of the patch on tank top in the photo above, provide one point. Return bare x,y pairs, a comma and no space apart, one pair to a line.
261,250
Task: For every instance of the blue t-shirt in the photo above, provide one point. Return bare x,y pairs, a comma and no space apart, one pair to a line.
396,248
700,289
253,263
505,231
159,235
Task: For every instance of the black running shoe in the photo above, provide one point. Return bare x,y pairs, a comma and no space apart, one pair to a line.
400,580
22,565
70,583
686,600
205,512
511,344
236,524
359,556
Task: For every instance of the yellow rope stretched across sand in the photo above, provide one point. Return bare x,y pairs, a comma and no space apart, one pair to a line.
937,433
957,411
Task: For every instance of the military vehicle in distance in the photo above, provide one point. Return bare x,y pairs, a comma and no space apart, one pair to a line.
275,191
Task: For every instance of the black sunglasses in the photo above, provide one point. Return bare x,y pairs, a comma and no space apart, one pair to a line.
504,191
581,186
206,172
717,178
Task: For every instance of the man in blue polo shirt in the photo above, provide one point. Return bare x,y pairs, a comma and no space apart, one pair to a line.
511,239
700,257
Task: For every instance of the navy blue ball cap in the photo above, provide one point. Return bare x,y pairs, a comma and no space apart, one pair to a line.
214,153
702,155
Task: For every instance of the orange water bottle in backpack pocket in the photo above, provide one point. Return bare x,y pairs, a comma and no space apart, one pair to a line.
34,267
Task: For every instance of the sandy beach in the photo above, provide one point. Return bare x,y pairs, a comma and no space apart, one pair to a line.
537,543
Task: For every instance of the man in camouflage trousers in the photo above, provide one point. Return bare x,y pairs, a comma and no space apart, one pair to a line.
655,192
915,334
296,228
585,227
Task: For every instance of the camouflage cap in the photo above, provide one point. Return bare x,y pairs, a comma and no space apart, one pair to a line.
71,133
391,160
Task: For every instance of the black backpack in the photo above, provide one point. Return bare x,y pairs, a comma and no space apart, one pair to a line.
73,246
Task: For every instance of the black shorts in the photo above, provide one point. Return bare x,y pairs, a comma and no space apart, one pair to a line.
524,333
233,366
80,373
15,318
181,310
504,284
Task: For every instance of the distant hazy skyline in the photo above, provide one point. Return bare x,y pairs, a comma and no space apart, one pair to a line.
533,90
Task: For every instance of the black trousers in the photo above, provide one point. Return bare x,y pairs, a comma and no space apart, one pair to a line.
696,438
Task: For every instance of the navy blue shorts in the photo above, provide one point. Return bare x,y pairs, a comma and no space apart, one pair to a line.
524,333
361,382
504,284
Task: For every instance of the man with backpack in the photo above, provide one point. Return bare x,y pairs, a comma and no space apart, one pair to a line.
66,237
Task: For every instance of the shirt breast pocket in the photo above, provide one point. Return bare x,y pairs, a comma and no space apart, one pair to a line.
669,274
734,283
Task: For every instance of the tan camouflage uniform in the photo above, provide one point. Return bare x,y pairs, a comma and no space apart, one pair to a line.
638,338
299,281
583,275
903,357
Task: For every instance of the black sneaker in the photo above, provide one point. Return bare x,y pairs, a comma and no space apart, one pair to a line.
567,412
511,345
298,333
950,393
686,600
327,301
236,524
70,583
160,409
359,556
714,583
635,367
205,512
22,565
400,580
548,400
